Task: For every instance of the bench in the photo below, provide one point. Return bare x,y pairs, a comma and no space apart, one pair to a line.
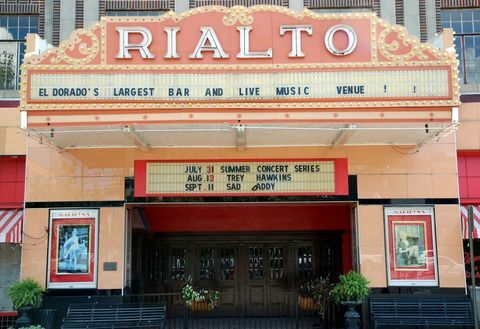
81,316
424,311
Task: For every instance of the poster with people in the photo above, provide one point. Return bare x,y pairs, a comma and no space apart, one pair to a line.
73,251
72,248
411,254
409,245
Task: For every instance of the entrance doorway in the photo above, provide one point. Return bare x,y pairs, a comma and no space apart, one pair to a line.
249,269
252,253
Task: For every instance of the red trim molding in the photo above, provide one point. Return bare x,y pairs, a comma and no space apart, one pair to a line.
469,201
9,103
470,98
468,152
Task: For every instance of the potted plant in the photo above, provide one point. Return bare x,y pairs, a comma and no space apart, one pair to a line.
199,300
305,296
351,290
314,295
25,295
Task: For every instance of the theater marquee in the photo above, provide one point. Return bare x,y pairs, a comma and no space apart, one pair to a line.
263,57
241,177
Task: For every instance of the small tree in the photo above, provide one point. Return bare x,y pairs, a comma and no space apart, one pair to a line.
7,70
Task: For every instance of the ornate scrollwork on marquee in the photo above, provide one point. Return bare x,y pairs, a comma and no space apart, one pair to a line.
395,44
87,45
238,13
82,48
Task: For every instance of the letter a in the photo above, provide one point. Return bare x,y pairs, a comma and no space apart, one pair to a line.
208,36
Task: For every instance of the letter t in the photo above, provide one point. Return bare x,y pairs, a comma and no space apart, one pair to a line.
296,37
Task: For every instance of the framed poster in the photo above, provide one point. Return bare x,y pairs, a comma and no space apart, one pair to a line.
410,246
72,255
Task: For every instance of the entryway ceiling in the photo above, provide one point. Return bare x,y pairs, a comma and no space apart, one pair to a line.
147,136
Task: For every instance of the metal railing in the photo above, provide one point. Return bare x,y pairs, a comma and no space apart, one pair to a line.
7,319
286,310
11,57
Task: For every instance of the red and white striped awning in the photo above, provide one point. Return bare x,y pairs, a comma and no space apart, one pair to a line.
11,225
476,221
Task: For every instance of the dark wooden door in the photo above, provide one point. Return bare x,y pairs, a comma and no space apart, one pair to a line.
216,268
256,274
266,279
179,266
278,277
228,278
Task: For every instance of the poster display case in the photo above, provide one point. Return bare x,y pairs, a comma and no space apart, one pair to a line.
410,246
73,248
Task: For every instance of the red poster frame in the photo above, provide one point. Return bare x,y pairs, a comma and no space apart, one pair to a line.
340,172
411,246
76,219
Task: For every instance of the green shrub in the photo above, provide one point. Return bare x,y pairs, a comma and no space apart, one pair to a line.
352,287
190,294
27,292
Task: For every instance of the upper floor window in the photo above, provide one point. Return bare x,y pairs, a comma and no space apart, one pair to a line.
13,31
18,26
466,24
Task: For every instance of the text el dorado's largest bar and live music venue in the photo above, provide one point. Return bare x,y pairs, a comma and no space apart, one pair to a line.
249,149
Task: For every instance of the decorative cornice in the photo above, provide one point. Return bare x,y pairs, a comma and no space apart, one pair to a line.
83,43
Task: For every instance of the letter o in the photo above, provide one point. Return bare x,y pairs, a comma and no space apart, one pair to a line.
352,40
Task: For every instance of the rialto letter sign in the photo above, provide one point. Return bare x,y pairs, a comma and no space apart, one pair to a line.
219,58
209,42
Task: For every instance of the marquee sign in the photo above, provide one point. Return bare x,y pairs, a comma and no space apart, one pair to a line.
241,177
229,58
312,85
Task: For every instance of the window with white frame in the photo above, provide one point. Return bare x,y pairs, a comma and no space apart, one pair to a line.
13,31
466,24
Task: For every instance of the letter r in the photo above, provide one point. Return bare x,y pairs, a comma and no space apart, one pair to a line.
125,46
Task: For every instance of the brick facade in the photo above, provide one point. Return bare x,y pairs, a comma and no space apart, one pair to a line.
56,22
422,10
399,13
438,15
139,5
376,7
41,20
338,3
79,14
20,6
459,3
